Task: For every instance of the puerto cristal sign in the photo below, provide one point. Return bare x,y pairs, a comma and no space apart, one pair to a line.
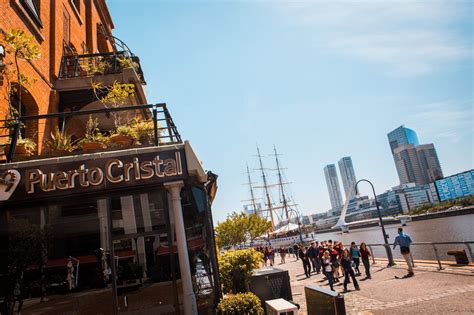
31,182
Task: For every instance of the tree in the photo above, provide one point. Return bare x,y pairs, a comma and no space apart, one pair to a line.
236,267
239,228
21,46
257,226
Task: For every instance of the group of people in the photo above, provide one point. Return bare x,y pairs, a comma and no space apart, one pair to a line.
335,260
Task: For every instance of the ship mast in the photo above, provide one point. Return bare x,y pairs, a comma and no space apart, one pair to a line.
252,196
265,186
280,183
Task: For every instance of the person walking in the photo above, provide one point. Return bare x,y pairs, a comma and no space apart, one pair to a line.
312,256
404,241
365,254
327,269
303,253
295,251
355,254
346,263
271,256
282,255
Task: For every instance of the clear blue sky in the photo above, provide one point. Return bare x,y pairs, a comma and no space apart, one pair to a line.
320,80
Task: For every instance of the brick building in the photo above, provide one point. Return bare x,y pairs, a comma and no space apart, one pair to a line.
71,34
120,229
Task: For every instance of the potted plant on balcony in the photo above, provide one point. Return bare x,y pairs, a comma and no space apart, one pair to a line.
144,130
127,62
124,136
61,143
24,147
93,139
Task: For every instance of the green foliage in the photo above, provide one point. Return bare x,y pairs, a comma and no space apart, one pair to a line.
240,227
126,62
21,44
96,66
144,129
236,268
240,304
28,244
431,208
61,142
113,95
126,130
92,132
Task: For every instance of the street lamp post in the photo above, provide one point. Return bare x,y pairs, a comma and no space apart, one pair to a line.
385,237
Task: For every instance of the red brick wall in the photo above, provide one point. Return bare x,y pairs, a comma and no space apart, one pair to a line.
40,96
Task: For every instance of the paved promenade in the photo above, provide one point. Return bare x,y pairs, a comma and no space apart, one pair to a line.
450,291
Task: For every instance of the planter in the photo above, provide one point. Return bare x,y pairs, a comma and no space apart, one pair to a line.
122,140
20,150
93,146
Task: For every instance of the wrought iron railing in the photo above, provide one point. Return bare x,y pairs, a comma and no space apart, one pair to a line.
73,66
151,125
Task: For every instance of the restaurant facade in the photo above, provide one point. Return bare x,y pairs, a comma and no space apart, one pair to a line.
122,228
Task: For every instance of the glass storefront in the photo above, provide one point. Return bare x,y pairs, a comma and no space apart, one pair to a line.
59,257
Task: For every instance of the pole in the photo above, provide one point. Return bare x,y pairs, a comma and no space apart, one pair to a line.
385,238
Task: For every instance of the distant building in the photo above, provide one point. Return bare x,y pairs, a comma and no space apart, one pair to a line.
333,186
415,163
346,169
249,209
401,136
455,186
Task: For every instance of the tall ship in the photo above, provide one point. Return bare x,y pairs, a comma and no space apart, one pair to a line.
270,199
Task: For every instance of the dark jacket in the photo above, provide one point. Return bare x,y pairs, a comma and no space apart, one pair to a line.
346,263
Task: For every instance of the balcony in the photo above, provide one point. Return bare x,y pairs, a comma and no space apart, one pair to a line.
77,73
86,131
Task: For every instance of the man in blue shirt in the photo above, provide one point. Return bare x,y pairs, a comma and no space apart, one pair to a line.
404,241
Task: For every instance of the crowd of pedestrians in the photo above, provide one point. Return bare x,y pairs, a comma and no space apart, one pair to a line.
334,260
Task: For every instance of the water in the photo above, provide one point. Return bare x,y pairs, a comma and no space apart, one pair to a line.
447,229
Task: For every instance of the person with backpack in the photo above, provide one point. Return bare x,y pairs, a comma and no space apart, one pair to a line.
404,241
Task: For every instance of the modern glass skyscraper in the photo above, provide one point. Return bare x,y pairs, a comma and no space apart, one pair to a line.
415,163
346,169
333,186
401,136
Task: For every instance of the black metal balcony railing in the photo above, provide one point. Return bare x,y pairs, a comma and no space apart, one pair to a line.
74,66
151,125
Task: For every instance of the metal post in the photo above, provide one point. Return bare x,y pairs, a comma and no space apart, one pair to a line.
385,238
437,257
16,132
469,249
372,253
155,126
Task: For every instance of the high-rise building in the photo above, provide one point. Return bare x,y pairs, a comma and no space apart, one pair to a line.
346,169
333,186
455,186
415,163
407,164
401,136
429,163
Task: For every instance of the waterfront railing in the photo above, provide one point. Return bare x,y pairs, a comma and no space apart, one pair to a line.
426,251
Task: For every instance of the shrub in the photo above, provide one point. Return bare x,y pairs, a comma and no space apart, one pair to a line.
240,304
236,267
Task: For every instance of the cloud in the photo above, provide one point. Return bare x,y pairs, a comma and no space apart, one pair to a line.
410,37
443,120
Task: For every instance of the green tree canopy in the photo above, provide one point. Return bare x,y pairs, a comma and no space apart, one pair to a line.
239,228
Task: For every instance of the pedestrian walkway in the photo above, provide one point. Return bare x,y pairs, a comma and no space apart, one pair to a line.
429,292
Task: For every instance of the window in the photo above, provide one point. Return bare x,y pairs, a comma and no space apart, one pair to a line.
66,27
32,7
77,5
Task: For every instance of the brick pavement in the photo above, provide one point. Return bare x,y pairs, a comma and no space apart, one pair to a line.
428,292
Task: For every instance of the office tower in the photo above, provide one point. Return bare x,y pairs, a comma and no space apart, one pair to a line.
415,163
429,163
347,174
401,136
333,186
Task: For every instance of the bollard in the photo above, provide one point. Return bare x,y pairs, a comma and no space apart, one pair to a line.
437,257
